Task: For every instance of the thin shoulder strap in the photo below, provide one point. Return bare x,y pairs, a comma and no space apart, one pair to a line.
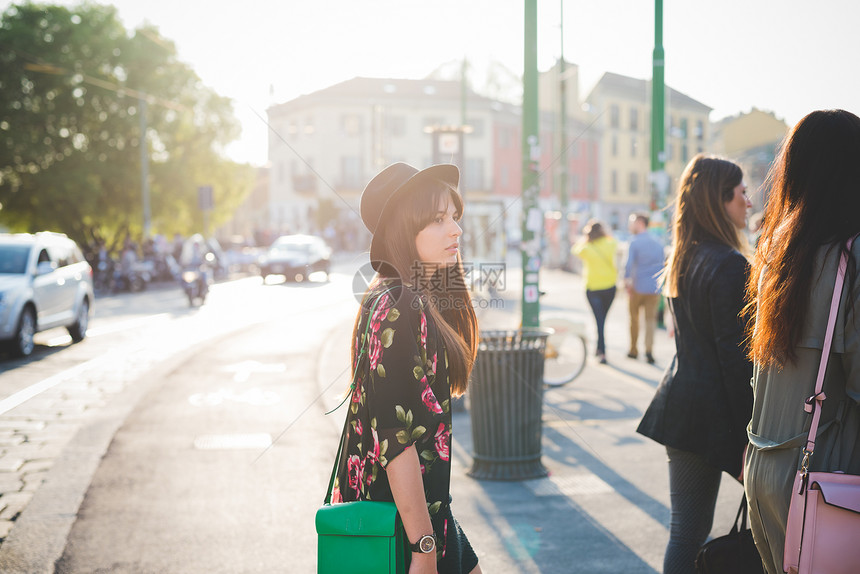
340,452
341,445
814,403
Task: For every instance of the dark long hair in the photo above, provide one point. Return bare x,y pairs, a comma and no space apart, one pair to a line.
700,214
814,201
449,303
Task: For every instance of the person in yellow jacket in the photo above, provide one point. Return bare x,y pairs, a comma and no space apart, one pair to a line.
597,250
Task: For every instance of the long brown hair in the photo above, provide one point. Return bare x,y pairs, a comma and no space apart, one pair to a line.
448,301
814,202
700,214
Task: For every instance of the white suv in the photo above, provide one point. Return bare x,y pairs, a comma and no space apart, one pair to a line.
45,282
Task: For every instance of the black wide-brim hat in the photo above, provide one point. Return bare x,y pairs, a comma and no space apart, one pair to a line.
390,184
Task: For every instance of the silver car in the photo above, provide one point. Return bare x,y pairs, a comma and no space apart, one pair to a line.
45,282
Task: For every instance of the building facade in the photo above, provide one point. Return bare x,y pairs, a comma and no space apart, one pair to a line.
621,106
325,146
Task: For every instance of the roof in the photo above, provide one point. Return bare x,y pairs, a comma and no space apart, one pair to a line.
381,89
636,89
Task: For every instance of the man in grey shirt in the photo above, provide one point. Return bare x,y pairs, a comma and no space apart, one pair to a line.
644,263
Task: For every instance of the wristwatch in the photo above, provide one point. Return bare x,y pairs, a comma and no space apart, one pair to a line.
426,544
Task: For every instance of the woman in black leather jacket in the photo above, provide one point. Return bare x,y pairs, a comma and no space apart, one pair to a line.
703,404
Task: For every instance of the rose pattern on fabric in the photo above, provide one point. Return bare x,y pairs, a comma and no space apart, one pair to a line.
443,442
355,468
430,399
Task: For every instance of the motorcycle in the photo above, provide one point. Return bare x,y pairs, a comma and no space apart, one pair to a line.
195,284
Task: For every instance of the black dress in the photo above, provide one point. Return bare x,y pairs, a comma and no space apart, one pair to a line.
402,399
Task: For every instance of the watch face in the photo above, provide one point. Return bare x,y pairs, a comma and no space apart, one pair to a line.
427,544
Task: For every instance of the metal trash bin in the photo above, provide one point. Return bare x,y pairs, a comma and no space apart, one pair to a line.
506,404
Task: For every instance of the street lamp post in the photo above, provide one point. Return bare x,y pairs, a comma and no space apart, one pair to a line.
659,181
532,216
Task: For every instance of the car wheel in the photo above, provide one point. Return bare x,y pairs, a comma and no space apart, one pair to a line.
78,329
23,343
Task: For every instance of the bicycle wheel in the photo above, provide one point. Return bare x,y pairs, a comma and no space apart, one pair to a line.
566,351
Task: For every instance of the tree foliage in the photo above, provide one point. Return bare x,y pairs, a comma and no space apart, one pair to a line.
73,85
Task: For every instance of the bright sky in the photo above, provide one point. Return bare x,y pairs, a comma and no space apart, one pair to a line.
786,56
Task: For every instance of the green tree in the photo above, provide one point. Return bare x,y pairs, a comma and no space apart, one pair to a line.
71,84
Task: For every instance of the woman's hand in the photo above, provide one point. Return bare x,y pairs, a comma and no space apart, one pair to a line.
423,563
407,486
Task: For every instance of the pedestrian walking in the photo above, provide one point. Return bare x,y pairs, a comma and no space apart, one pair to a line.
812,212
597,249
419,329
703,403
644,264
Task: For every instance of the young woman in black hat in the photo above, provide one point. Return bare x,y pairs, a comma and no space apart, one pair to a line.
414,344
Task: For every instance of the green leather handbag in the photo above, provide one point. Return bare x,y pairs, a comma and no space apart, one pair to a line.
361,537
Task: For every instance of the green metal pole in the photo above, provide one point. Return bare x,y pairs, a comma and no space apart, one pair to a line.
532,216
658,113
564,227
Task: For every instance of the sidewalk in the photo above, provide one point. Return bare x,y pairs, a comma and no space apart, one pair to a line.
605,505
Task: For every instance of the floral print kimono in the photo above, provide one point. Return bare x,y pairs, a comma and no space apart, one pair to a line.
402,399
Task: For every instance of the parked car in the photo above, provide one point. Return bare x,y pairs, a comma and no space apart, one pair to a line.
45,282
296,257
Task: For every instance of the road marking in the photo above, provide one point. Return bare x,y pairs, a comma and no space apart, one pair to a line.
242,371
65,339
28,393
561,422
579,484
255,396
246,441
125,325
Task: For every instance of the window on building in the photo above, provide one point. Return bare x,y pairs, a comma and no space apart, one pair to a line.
590,185
395,126
575,186
684,128
613,182
634,119
309,127
473,178
614,145
614,113
504,176
350,171
634,183
633,145
684,153
350,124
700,130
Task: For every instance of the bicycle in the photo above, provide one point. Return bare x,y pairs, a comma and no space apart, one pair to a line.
566,350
